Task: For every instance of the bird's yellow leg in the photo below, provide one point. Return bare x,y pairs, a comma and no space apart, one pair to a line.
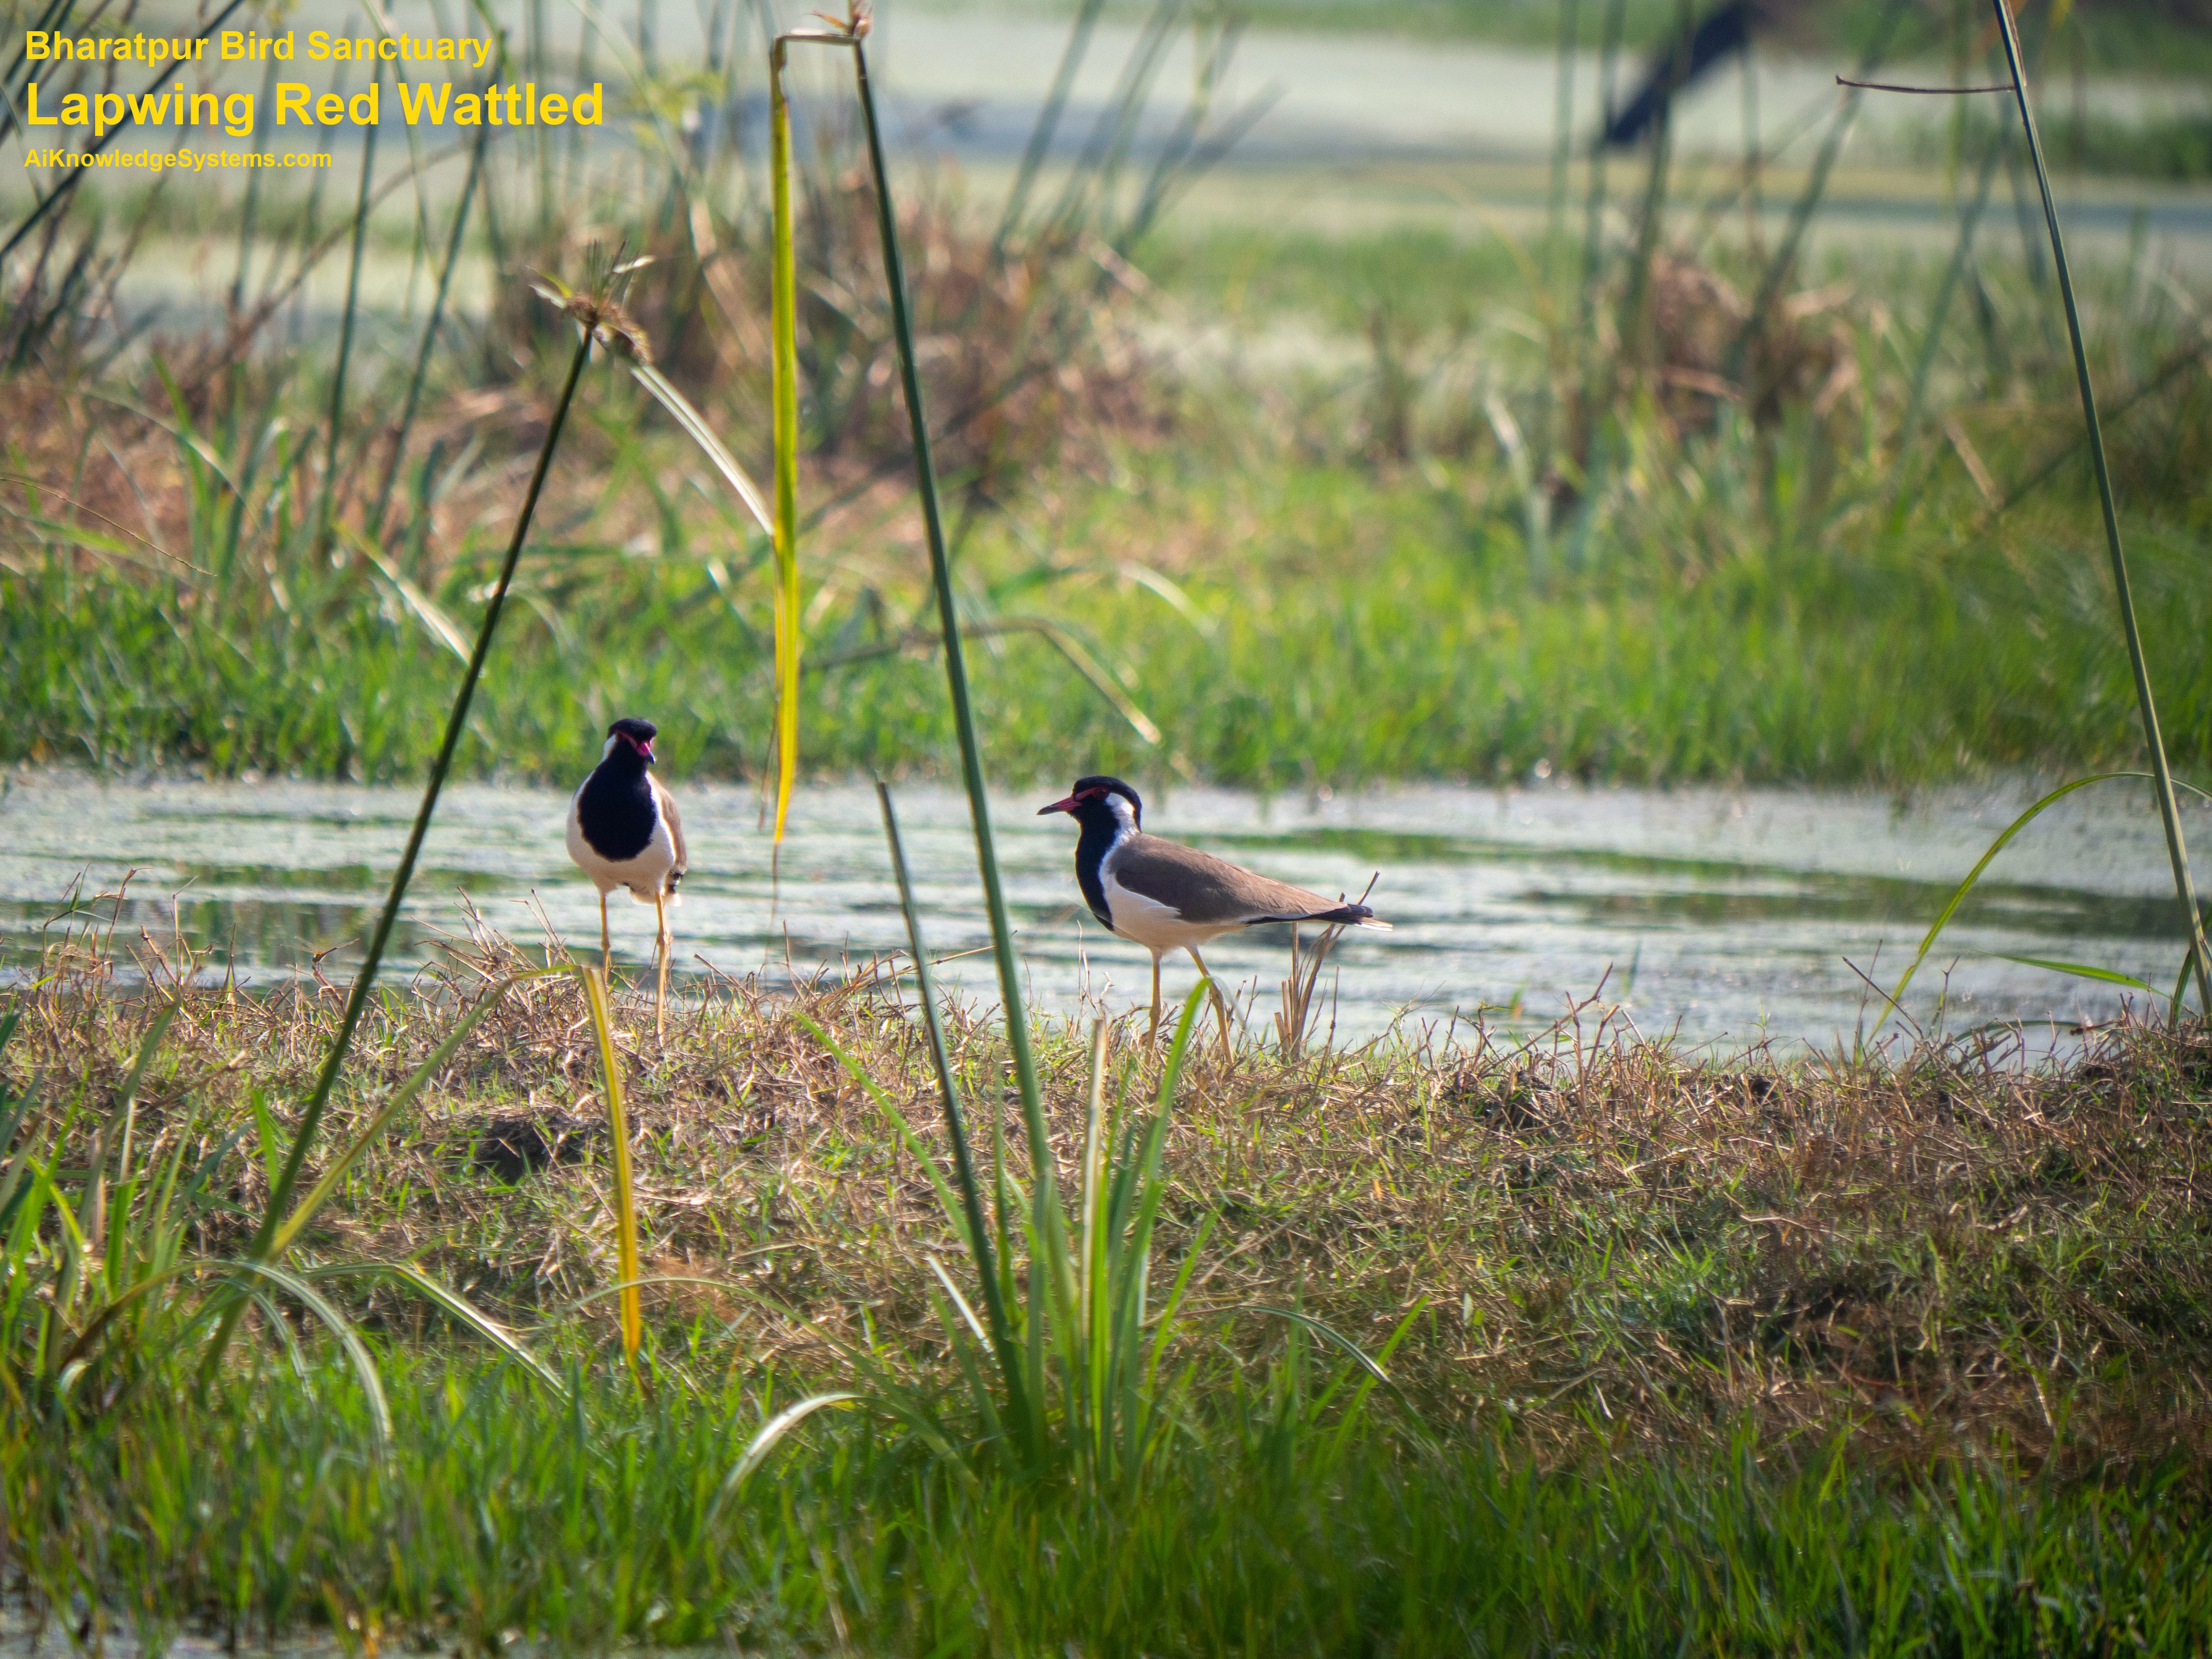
606,948
1213,985
660,950
1153,1035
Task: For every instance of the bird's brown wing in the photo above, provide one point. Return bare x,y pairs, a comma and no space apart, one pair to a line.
1212,891
674,820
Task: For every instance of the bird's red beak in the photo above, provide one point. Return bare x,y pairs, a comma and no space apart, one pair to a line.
1067,806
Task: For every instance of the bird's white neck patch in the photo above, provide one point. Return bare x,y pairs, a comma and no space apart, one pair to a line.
607,749
1125,817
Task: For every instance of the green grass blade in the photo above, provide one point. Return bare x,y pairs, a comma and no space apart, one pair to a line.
356,1351
1336,1339
425,610
696,429
960,1302
1959,895
1002,1342
1094,1299
2082,970
2184,885
1149,1188
758,1450
1366,1385
458,1306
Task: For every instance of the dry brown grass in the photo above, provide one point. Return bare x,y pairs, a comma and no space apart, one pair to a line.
1028,350
1944,1251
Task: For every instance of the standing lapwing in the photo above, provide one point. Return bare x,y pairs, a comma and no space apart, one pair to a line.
624,831
1168,897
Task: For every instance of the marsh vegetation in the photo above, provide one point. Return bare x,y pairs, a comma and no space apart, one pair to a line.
847,1317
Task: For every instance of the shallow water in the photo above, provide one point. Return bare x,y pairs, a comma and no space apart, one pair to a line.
1728,917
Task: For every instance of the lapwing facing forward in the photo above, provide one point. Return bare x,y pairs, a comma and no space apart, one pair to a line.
624,831
1167,896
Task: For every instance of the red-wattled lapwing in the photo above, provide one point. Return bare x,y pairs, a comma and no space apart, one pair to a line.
624,831
1168,897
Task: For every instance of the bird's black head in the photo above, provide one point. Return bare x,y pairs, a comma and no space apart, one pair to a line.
1094,798
632,736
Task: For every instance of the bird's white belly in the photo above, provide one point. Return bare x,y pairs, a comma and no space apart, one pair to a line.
1155,926
644,875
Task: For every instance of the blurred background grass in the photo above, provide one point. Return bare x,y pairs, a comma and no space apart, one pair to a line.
1325,459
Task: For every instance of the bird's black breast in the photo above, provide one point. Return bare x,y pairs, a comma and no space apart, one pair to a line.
1091,850
617,814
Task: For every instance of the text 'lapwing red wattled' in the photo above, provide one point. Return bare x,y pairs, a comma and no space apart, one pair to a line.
1167,896
624,831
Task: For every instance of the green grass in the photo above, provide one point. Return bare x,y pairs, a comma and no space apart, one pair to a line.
1851,1357
503,1514
1344,628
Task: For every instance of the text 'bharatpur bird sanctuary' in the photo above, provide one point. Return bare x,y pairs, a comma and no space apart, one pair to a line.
437,105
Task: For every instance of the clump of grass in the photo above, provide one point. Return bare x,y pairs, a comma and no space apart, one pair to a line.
1939,1251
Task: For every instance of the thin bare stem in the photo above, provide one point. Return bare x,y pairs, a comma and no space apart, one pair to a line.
429,333
345,332
2184,885
1932,92
61,192
456,723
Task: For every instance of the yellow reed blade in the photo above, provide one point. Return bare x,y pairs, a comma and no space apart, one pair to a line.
784,327
632,1306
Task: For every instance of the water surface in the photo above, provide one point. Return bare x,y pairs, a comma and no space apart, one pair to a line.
1725,916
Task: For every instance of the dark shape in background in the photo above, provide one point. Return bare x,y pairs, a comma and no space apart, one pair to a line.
1714,38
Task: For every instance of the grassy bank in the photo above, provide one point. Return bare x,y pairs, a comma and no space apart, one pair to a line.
1376,529
1829,1356
1936,1250
1290,625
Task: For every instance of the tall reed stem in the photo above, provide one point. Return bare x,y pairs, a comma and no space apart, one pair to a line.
345,331
456,723
956,667
2169,812
429,333
61,192
963,1161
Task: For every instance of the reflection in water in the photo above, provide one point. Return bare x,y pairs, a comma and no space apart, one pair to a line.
1722,916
